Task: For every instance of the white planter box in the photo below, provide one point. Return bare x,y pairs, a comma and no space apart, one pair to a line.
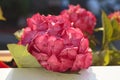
93,73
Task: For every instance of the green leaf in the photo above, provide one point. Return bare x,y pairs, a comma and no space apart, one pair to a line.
101,58
1,15
107,32
18,34
96,59
115,57
116,30
22,57
106,57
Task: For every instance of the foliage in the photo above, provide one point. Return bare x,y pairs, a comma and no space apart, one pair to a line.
108,55
22,57
1,15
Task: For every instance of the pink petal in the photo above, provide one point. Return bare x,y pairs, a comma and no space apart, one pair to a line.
58,46
51,41
72,36
88,60
69,53
44,63
41,42
78,63
65,65
55,45
53,63
84,44
29,36
41,56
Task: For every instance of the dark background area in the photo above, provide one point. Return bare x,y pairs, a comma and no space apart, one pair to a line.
16,12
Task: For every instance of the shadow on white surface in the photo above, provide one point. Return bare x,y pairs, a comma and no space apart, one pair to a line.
93,73
42,74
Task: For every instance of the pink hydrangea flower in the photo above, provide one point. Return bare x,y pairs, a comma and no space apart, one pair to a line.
115,15
56,44
80,18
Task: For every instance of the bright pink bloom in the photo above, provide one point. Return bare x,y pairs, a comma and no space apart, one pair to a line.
55,44
115,15
80,18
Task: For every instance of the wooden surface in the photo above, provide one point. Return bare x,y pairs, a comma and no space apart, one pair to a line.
5,56
93,73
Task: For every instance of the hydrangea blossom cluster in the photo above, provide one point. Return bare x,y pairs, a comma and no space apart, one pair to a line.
115,15
56,44
80,18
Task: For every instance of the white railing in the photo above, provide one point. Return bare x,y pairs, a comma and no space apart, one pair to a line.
93,73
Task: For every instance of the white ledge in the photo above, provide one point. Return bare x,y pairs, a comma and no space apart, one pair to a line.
93,73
